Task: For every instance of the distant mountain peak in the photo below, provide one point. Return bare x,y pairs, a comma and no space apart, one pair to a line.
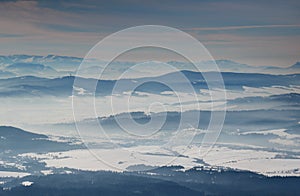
296,65
226,61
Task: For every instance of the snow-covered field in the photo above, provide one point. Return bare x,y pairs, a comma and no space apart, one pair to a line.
256,160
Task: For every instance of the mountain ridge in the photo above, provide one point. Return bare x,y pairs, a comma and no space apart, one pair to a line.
68,64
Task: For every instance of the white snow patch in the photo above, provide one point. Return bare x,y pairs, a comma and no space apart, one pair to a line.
46,172
13,174
27,183
259,161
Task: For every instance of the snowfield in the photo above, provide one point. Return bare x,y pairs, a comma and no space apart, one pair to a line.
259,161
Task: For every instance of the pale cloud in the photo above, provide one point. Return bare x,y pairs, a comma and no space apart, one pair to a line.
241,27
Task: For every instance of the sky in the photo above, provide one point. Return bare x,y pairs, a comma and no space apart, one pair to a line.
257,32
